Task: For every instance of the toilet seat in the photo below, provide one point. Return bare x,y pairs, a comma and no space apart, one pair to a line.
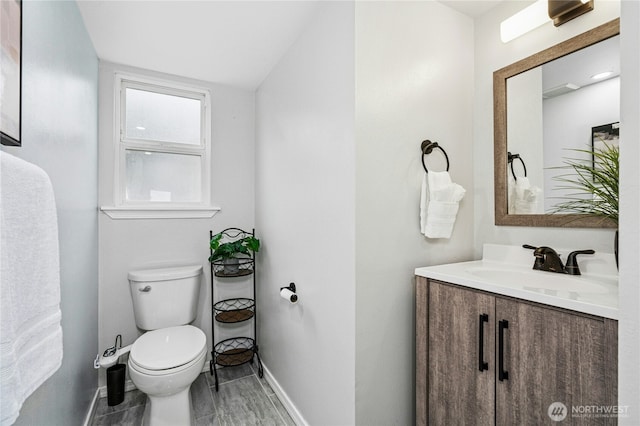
168,371
168,350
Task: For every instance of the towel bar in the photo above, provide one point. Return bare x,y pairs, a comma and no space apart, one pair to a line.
427,147
510,158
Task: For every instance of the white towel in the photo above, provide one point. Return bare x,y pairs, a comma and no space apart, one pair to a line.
30,331
523,197
439,203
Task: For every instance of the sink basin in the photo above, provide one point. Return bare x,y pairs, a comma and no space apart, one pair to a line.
541,281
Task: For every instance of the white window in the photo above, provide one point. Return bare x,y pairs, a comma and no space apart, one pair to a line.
162,133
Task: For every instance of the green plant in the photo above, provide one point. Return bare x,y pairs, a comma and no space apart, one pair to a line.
597,178
237,248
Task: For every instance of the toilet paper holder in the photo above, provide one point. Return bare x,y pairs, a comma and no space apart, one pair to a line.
289,293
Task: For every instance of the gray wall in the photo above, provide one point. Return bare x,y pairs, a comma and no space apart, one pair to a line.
305,213
414,81
337,200
59,134
629,324
492,54
127,244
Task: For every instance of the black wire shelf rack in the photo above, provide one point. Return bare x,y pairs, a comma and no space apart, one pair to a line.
235,351
234,310
240,349
235,267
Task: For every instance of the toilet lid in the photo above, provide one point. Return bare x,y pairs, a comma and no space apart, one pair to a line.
167,348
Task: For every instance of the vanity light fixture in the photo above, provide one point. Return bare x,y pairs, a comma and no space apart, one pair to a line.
541,12
524,21
562,11
141,128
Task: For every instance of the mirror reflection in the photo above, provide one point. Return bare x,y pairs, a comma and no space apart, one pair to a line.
539,123
552,109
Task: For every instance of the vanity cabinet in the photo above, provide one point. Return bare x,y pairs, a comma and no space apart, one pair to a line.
486,359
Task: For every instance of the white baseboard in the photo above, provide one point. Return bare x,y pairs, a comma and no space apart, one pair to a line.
129,385
88,420
284,398
101,392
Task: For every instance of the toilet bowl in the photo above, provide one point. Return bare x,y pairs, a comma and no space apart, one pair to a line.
163,363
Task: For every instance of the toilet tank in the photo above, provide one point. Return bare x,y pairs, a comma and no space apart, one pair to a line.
165,297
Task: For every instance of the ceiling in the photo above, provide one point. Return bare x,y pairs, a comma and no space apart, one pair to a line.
472,8
579,67
230,42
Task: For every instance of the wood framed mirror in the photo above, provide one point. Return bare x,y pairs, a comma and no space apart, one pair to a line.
504,148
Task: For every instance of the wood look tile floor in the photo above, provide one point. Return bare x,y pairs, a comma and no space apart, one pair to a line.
242,399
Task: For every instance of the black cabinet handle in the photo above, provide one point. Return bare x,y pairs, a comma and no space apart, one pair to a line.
502,374
482,365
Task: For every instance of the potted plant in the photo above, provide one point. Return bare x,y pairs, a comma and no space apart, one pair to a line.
233,253
597,177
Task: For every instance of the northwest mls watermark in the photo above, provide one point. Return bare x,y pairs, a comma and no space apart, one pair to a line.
557,411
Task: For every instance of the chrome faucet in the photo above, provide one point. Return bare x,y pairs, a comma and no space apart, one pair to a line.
547,259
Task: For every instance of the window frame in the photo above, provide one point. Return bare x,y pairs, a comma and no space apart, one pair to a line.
122,144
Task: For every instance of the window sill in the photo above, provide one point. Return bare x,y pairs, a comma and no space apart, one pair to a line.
144,212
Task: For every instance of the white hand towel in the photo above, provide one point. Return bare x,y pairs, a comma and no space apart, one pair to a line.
439,204
511,195
30,331
523,197
424,202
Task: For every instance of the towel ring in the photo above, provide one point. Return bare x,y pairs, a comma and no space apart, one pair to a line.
427,147
510,158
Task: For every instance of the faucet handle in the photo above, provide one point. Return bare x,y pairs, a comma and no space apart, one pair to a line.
539,257
572,263
547,259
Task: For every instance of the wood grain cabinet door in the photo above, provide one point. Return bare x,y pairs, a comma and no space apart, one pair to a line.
550,356
461,369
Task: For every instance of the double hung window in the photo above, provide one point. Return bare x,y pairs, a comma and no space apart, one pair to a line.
162,144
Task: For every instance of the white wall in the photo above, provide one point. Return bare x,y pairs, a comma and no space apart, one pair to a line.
491,54
305,213
135,244
629,324
414,81
410,87
59,134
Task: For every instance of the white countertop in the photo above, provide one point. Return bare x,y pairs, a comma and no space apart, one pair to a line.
507,270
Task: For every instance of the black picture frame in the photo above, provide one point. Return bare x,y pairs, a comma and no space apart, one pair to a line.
11,50
608,134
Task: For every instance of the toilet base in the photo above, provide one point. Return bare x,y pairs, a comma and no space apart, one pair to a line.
176,409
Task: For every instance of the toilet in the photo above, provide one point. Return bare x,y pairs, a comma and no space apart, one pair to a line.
170,355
